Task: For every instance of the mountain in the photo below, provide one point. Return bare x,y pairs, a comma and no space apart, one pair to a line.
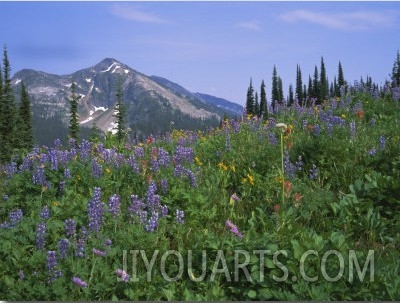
153,104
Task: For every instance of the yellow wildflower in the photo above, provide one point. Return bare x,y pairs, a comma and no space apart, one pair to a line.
56,203
198,162
108,171
343,116
222,166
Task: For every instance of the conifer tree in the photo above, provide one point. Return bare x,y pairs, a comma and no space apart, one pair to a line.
120,114
395,77
250,99
324,88
316,84
310,90
280,91
256,105
25,134
299,86
73,121
275,89
7,113
291,95
341,81
263,102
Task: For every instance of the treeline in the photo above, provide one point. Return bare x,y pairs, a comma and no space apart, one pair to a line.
314,91
16,133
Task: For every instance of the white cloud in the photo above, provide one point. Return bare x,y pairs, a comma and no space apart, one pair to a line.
251,25
135,14
358,20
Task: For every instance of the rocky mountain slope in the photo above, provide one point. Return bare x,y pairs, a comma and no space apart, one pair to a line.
152,104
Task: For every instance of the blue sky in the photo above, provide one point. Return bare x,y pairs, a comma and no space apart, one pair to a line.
208,47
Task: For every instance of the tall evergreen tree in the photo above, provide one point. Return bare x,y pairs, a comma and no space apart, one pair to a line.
275,89
7,113
291,95
324,86
299,86
280,91
256,105
120,114
395,77
263,102
316,85
73,120
25,134
341,81
250,99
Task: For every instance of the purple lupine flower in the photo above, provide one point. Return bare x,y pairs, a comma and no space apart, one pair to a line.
4,225
179,216
123,275
95,210
52,155
11,169
152,223
99,252
40,235
51,266
183,154
272,139
163,157
233,228
63,246
192,178
142,215
39,178
329,129
154,164
67,173
78,282
139,152
289,167
97,168
152,199
107,242
80,248
382,142
45,213
372,151
164,185
299,164
164,211
5,197
133,163
70,228
136,204
313,174
114,205
15,217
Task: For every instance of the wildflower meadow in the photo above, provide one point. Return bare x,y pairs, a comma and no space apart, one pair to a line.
302,205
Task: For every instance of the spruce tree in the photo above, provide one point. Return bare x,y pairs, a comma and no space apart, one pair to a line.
7,113
291,95
120,114
280,91
25,134
341,81
395,77
299,86
256,105
275,89
250,99
316,85
263,102
73,120
324,88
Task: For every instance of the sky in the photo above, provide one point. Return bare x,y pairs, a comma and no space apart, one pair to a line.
209,47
